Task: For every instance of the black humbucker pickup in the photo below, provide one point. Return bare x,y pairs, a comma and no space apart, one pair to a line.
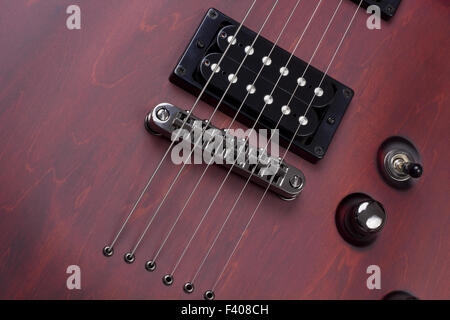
205,50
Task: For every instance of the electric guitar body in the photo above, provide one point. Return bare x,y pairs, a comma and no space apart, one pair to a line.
373,214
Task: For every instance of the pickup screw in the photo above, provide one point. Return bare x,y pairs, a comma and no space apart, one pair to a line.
296,182
331,120
200,44
180,70
319,151
347,93
223,35
163,114
390,9
212,14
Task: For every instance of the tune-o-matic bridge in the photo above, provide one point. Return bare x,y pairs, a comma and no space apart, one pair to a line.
298,85
246,160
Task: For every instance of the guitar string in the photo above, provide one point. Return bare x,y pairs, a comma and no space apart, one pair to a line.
111,246
287,150
133,251
223,182
268,142
231,124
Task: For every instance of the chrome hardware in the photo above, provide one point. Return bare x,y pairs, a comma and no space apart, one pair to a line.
209,295
399,162
360,219
289,181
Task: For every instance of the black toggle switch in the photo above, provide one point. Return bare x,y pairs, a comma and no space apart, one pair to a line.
414,170
359,219
399,162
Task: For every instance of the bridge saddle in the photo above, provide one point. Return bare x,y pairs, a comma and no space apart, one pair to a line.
227,150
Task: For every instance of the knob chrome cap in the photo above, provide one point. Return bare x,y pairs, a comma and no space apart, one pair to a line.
360,219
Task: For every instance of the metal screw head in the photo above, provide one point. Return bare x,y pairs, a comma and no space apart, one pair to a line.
318,92
213,14
390,9
319,151
267,61
301,82
251,89
347,93
303,120
180,70
200,44
296,182
163,114
331,120
286,110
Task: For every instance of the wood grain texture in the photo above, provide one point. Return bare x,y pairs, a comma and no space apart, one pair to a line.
74,156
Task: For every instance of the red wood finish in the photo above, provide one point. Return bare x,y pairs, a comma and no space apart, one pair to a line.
74,156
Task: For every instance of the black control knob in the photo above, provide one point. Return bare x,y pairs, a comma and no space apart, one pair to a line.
399,295
369,217
359,219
